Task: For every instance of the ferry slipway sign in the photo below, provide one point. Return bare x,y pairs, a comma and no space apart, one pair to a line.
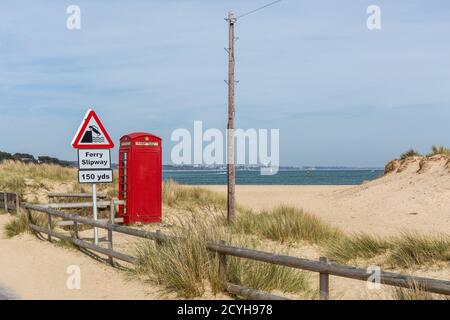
93,144
94,156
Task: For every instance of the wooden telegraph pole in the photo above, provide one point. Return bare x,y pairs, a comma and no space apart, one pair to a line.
230,132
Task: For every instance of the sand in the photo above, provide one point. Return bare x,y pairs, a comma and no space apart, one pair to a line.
34,269
414,197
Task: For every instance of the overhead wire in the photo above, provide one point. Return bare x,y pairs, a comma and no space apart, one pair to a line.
257,9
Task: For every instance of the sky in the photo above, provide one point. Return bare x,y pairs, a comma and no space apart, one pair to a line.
340,94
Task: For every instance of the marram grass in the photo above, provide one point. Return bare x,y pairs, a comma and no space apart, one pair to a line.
412,249
415,292
19,223
192,198
346,248
285,224
188,268
289,225
15,174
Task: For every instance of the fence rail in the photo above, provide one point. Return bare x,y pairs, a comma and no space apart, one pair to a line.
9,201
74,195
326,268
77,205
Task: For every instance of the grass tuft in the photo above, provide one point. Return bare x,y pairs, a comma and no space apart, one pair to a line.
410,153
415,292
267,277
16,226
439,150
361,245
186,266
285,224
14,175
192,198
412,249
182,265
19,224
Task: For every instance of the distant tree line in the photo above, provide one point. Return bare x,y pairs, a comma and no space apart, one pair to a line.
29,158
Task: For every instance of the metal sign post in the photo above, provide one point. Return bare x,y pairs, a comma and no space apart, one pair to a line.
94,209
94,157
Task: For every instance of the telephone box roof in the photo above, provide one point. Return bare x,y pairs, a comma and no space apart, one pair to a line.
136,135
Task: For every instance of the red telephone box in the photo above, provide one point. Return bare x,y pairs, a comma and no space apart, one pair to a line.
140,178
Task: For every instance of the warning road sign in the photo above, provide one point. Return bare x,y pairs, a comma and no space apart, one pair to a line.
92,134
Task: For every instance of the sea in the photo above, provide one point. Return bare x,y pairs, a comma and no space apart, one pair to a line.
283,177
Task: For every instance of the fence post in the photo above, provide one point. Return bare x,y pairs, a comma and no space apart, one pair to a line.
5,200
75,230
17,203
49,226
222,264
324,282
29,216
158,240
112,213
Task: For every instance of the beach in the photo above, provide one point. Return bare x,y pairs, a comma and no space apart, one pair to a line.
37,269
413,196
378,207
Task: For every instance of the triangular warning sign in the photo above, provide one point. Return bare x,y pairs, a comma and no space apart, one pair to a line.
92,134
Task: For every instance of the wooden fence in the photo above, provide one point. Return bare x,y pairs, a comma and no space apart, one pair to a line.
74,195
9,201
323,267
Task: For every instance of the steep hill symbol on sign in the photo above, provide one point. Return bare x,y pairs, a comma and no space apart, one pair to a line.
92,134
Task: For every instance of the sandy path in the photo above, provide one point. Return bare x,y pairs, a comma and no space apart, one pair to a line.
382,210
33,269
